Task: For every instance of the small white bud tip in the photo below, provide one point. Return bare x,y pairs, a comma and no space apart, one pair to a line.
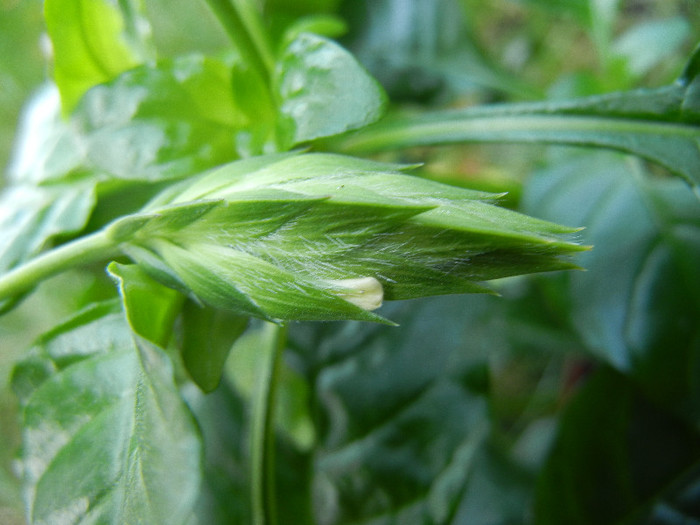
365,292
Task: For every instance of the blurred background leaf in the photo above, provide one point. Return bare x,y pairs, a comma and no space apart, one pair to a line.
478,409
425,50
92,42
636,306
619,458
106,436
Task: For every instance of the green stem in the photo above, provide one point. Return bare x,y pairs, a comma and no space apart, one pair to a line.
263,431
243,26
425,130
671,145
91,248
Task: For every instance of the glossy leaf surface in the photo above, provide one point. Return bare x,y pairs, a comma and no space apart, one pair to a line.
36,206
107,438
161,122
323,90
29,217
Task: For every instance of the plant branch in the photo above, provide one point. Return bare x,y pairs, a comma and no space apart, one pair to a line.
91,248
262,434
241,23
671,145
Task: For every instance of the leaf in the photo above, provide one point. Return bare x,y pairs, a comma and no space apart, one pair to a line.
91,44
660,125
222,417
22,68
36,206
408,444
48,148
150,307
106,436
256,132
325,237
208,337
636,306
619,458
323,90
161,122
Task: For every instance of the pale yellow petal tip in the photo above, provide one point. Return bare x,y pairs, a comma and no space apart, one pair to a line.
365,292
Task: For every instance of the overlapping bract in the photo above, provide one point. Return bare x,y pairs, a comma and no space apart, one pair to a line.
308,236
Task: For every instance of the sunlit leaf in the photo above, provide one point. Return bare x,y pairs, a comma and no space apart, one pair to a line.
150,307
106,435
323,90
161,122
92,43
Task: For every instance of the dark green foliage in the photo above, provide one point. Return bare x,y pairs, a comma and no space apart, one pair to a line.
155,218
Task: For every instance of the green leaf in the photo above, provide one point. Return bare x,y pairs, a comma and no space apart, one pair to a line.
208,336
30,217
323,90
324,237
161,122
40,202
92,43
329,26
257,129
150,307
637,305
619,458
407,444
48,148
106,435
660,125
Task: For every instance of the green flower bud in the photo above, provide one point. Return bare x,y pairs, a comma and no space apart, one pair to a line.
325,237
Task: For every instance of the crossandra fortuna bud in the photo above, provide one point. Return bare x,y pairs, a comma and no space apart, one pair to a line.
327,237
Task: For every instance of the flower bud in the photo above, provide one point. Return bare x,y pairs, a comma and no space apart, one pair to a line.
325,237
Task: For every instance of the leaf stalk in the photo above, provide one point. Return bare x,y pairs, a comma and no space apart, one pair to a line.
85,250
263,429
